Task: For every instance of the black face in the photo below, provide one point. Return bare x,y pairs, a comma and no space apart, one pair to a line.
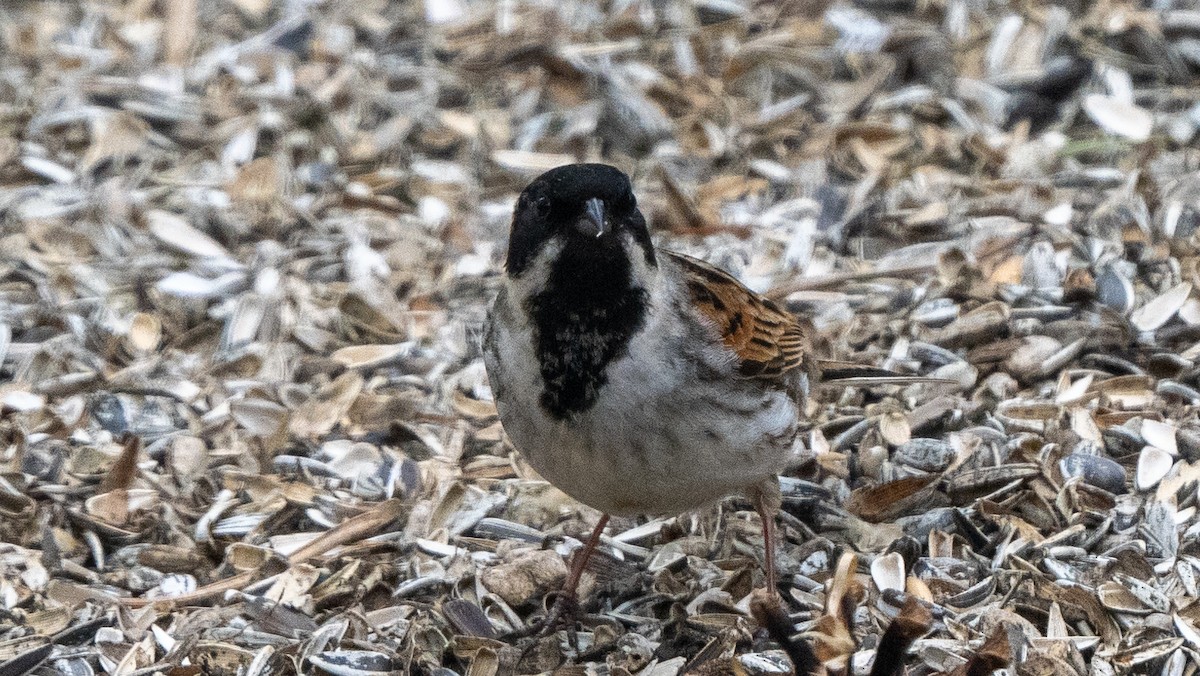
589,205
592,302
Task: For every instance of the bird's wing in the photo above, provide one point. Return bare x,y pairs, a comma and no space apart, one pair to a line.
768,341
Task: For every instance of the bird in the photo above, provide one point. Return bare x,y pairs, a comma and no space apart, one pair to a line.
638,380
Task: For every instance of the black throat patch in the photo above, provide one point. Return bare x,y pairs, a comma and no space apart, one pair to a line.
585,318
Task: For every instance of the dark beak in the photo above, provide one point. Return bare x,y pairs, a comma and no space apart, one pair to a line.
593,220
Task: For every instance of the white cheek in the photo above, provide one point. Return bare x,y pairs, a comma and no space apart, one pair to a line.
636,255
537,273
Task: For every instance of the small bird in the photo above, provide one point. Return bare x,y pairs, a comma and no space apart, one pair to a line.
638,380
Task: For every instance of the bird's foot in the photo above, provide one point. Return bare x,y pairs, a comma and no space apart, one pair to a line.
563,611
531,639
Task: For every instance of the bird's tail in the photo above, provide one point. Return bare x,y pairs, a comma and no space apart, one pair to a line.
848,374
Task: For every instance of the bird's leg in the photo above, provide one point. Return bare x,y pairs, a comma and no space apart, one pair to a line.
767,608
565,603
767,501
579,562
768,527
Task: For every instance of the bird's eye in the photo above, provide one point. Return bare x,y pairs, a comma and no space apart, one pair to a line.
541,206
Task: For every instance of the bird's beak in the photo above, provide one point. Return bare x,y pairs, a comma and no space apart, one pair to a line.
593,221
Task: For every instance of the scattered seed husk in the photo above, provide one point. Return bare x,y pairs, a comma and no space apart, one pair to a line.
260,240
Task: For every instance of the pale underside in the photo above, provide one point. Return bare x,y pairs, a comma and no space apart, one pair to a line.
674,428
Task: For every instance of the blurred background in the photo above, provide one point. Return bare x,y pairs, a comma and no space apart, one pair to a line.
246,248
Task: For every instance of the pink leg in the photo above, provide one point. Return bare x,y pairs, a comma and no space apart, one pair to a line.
579,563
767,515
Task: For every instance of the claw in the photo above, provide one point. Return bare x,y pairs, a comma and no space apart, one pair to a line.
562,611
565,604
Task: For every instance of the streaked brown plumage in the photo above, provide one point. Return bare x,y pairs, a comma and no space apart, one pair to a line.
768,340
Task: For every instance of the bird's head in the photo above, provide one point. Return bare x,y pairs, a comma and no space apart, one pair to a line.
587,211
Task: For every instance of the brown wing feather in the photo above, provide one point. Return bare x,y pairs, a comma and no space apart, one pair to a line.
768,340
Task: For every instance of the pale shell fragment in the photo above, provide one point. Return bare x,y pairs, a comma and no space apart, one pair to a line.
368,356
1160,435
1075,391
887,572
1059,215
189,285
1187,630
1190,312
1159,310
177,585
1118,117
145,332
48,170
1153,464
764,664
22,401
178,234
